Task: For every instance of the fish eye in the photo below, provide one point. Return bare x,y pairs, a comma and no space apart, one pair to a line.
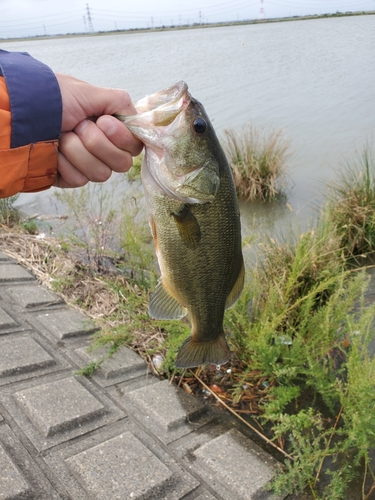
199,125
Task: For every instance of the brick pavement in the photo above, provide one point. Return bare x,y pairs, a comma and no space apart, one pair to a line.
122,434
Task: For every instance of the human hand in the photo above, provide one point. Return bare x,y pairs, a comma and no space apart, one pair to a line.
93,143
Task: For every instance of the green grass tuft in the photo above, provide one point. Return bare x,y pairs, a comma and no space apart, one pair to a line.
258,162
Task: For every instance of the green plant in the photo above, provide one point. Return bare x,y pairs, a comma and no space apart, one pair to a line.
258,162
9,215
302,324
135,170
95,222
30,226
351,204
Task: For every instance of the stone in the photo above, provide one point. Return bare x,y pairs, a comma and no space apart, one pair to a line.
5,320
3,257
22,354
241,467
119,468
29,296
13,272
12,484
59,406
66,323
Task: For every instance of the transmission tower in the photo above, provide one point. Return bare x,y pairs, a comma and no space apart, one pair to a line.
261,11
91,27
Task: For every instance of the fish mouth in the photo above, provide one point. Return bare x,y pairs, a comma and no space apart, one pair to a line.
166,97
157,110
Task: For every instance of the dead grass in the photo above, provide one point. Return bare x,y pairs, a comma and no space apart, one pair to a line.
116,304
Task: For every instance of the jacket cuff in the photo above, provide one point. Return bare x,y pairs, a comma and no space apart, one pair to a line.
30,168
35,99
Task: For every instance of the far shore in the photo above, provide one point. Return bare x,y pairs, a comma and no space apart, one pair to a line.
190,26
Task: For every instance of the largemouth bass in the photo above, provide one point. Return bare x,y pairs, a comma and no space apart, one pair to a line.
194,220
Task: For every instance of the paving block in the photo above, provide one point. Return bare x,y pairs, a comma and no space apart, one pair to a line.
236,467
167,410
59,406
29,296
20,477
66,323
119,462
3,257
122,365
22,354
12,484
121,467
206,496
5,320
14,272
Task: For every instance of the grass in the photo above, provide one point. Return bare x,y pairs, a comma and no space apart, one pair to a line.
9,214
258,162
351,204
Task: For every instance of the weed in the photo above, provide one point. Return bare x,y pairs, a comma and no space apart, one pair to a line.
95,222
302,324
257,161
351,205
139,257
89,369
30,226
135,170
9,215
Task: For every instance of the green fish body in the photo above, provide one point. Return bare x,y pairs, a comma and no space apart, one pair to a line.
194,219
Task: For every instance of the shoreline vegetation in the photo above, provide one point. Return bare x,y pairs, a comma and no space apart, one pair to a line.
192,26
302,333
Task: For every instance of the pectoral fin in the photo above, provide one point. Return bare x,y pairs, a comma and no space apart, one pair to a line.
187,226
163,306
237,289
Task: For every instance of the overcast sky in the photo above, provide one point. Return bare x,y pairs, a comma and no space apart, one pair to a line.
39,17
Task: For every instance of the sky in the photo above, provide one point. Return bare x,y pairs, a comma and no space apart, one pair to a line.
24,18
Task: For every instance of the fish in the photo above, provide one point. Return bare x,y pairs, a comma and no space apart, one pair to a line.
194,219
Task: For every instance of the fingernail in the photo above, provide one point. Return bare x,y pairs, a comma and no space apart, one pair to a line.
107,126
81,126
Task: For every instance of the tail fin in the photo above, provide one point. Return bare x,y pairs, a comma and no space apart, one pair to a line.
193,353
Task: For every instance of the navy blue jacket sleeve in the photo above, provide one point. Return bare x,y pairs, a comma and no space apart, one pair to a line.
35,99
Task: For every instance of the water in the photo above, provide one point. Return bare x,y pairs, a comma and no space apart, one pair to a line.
314,79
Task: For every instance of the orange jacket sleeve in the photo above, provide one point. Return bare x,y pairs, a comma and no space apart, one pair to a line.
30,124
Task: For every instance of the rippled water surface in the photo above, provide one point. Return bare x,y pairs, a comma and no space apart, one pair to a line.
314,79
